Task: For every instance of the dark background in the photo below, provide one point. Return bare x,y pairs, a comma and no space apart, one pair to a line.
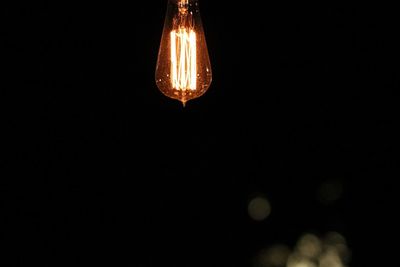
98,167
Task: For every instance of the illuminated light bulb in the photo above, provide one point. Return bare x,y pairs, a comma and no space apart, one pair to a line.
183,69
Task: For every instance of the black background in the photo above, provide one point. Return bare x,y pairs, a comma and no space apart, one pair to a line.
99,167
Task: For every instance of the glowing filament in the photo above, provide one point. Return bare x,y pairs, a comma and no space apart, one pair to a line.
183,59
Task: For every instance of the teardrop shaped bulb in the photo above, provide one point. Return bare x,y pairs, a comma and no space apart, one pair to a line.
183,69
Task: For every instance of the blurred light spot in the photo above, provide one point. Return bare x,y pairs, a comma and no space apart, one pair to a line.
296,260
330,258
336,241
275,256
309,246
334,238
259,208
330,191
310,251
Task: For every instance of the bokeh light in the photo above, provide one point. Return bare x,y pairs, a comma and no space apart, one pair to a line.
331,250
334,241
330,258
309,246
296,260
259,208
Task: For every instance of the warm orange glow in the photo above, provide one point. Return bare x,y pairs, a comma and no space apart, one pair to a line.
183,69
183,59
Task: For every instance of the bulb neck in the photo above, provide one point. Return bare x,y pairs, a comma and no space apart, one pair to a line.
186,6
182,3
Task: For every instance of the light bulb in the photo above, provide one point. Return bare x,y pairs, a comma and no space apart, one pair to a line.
183,69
